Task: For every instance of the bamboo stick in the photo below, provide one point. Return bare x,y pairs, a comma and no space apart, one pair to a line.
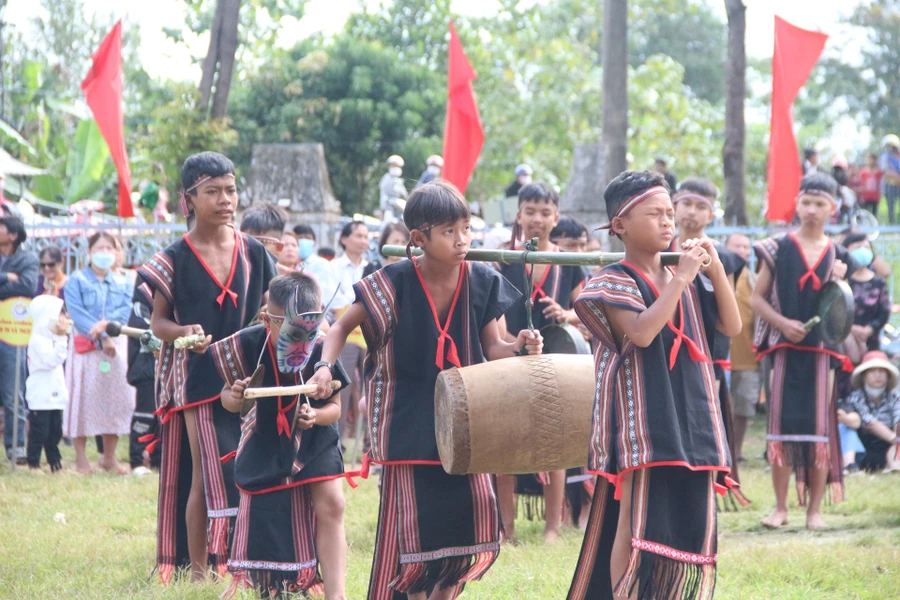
586,259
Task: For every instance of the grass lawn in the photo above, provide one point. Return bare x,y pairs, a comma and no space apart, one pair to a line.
104,547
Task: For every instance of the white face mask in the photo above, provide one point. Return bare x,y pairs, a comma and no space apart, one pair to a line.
524,179
434,169
872,392
395,171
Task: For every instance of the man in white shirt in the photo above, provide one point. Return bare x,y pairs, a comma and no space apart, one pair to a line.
346,270
313,264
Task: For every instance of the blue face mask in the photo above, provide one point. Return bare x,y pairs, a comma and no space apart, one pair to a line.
863,255
305,248
103,260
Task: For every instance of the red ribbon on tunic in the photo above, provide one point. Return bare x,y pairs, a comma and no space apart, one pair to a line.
228,457
281,420
226,289
694,351
443,336
538,286
151,440
810,274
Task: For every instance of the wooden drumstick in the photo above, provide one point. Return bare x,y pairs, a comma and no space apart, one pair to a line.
189,341
812,323
290,390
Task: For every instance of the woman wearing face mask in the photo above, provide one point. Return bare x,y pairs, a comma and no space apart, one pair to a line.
100,400
433,167
311,263
523,175
873,409
392,234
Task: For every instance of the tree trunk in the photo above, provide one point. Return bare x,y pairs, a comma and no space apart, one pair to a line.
733,148
211,60
228,44
615,86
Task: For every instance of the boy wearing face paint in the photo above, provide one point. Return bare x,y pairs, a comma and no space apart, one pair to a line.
658,440
694,210
288,464
554,288
802,433
210,283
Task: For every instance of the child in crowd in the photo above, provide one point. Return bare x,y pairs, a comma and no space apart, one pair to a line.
435,531
290,518
553,290
265,222
142,375
870,184
658,440
801,432
210,284
569,235
45,388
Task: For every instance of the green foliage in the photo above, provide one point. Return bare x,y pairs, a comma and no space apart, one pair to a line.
878,91
357,98
176,131
416,30
664,120
86,163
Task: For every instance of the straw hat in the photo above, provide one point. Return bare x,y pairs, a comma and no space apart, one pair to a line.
875,359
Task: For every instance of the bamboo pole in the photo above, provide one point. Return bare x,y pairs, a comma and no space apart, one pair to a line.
585,259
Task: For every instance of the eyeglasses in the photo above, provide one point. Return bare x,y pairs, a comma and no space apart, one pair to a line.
275,318
48,265
278,245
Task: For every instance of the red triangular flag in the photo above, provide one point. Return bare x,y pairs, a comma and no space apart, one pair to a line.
463,134
796,53
102,89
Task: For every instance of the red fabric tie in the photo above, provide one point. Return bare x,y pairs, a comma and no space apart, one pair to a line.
228,457
538,289
221,297
694,351
816,282
281,420
452,355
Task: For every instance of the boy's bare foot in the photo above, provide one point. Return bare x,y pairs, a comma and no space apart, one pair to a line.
815,522
778,518
113,467
551,535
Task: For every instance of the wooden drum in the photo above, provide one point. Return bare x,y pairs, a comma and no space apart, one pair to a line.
517,415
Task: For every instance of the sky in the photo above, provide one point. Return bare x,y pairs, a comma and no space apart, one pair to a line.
164,58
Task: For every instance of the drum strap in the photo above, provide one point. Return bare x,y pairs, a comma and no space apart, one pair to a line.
443,336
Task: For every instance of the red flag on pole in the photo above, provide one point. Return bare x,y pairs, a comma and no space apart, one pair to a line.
103,91
463,135
796,53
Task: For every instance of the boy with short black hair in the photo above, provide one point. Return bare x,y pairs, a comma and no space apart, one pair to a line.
554,288
265,222
569,235
802,434
657,441
421,316
209,283
288,465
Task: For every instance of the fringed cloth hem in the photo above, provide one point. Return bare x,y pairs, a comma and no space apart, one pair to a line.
416,577
167,570
801,456
273,582
659,577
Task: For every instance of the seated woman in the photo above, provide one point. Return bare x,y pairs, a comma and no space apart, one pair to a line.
873,409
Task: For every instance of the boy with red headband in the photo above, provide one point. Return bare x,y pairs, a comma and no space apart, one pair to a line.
802,433
694,210
421,316
210,283
657,440
554,288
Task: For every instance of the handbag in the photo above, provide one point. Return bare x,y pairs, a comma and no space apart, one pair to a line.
83,344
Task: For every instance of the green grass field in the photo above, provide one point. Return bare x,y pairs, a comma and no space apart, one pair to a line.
104,547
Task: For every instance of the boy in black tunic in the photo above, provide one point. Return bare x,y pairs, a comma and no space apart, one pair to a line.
435,531
694,204
554,288
658,441
290,518
802,431
210,283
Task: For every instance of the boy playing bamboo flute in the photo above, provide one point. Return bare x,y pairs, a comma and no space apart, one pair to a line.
658,440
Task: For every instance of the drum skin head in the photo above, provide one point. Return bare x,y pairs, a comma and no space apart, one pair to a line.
836,308
563,339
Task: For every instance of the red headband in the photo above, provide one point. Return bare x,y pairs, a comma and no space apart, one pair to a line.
634,201
685,195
